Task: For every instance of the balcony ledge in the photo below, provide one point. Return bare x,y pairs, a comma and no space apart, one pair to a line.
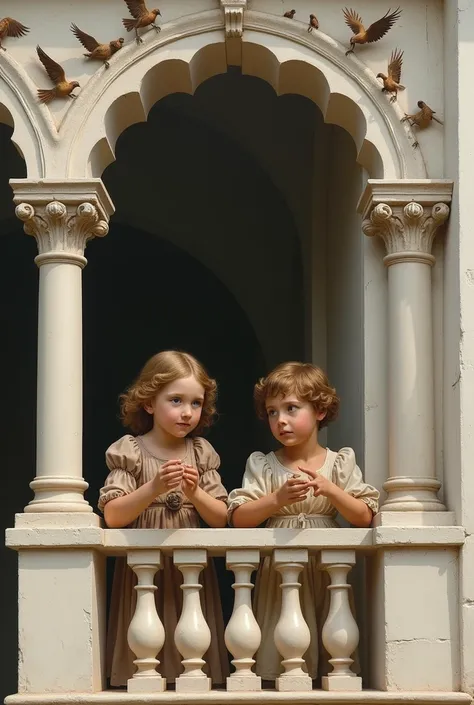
216,541
112,697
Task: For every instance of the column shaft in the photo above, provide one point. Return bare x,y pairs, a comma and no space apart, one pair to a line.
411,399
59,401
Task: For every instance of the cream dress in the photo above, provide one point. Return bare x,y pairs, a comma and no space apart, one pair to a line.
263,475
132,465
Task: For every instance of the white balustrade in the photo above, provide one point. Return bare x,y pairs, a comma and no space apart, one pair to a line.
146,634
192,635
340,632
242,635
292,635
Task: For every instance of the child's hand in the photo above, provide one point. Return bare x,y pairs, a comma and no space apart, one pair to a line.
294,490
322,486
190,480
169,476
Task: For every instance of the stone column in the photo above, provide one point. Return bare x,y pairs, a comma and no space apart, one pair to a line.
407,215
62,216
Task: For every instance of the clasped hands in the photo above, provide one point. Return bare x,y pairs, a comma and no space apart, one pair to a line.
296,488
175,473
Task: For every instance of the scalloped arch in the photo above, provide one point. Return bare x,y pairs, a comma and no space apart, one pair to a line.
193,49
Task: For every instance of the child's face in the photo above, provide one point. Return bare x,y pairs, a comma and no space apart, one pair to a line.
177,407
291,420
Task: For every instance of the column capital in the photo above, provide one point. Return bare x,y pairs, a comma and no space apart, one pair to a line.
62,215
406,214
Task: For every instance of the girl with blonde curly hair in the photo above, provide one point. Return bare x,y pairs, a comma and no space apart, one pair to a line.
165,476
301,485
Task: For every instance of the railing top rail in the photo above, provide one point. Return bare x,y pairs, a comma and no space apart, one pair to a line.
217,541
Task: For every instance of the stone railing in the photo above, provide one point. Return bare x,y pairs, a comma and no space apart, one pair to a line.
290,550
192,637
62,601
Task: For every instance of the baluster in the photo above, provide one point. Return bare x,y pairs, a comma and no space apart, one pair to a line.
292,635
340,632
146,634
192,635
242,635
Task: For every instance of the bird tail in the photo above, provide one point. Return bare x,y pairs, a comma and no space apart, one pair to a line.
129,24
87,55
400,87
46,96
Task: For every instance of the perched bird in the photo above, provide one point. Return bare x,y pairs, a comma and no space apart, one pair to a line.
391,83
62,87
422,118
11,28
290,14
313,23
376,30
143,18
100,52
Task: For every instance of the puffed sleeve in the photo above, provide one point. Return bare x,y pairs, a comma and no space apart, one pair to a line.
256,483
208,463
347,475
123,458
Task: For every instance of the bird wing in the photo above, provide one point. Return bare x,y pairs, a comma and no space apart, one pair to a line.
395,65
15,28
54,70
86,40
377,30
353,20
137,8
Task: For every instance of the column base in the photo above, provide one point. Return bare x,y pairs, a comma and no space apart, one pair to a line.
412,494
150,684
243,683
404,518
58,493
193,684
286,684
341,683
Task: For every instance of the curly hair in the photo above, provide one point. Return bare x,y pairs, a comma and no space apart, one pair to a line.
307,382
161,369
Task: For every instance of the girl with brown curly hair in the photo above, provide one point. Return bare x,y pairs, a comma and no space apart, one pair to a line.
164,477
301,485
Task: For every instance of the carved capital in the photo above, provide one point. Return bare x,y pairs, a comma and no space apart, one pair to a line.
407,231
61,229
406,215
62,216
234,17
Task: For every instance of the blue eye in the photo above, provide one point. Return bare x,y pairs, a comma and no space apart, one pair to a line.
197,404
175,400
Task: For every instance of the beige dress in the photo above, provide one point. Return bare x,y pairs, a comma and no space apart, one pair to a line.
132,465
263,475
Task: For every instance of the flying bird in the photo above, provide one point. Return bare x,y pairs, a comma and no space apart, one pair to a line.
62,87
99,52
313,23
143,17
376,30
11,28
391,83
290,14
422,119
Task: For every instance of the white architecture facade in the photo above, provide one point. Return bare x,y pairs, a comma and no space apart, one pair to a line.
386,241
